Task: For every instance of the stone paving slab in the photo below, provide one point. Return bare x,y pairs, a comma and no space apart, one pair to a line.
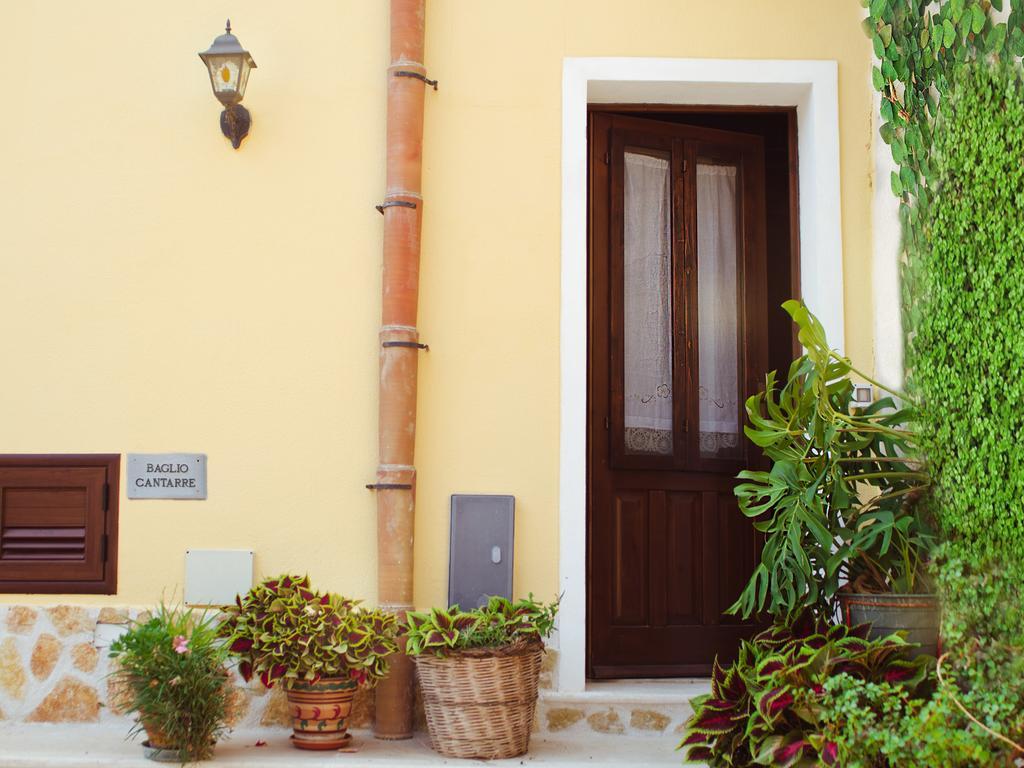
103,746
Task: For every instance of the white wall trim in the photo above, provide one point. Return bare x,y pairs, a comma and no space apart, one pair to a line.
810,86
886,238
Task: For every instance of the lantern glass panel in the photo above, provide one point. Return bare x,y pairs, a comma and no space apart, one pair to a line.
243,75
225,75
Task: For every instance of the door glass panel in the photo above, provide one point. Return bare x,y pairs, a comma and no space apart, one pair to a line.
718,308
647,324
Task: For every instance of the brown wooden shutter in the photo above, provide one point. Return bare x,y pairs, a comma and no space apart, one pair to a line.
56,524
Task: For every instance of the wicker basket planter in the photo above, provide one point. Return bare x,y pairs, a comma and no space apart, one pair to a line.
480,702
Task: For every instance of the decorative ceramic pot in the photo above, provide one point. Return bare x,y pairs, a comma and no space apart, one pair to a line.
917,615
320,712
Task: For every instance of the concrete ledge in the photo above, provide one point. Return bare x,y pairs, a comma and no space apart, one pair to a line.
103,746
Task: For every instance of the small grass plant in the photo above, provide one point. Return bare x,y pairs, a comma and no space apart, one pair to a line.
172,672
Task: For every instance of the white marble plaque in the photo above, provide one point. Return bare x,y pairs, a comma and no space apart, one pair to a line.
166,476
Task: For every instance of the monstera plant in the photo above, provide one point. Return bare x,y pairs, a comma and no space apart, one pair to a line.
321,646
838,504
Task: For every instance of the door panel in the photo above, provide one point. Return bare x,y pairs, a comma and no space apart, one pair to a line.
677,342
631,535
684,558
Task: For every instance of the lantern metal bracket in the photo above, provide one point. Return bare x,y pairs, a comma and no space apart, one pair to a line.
388,487
392,204
418,76
235,122
411,344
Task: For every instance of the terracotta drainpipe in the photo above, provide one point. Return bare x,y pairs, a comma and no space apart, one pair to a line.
396,475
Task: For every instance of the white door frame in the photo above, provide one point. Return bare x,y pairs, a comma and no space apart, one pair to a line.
811,87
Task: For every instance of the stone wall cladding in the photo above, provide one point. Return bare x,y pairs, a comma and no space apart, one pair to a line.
54,665
54,668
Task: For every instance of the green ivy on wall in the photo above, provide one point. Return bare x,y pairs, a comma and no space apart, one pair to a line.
952,113
959,193
919,45
966,351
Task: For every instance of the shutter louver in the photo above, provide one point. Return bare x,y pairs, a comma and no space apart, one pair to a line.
43,523
52,526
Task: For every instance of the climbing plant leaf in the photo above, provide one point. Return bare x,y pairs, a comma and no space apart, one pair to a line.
876,78
978,19
948,33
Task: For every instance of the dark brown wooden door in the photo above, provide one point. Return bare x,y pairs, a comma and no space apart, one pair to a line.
678,340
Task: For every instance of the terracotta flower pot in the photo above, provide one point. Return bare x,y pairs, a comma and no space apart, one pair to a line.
155,736
320,712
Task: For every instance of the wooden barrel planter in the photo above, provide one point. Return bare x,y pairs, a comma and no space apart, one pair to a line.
480,702
916,615
320,712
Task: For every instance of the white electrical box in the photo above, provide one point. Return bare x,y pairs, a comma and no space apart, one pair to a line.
215,576
863,395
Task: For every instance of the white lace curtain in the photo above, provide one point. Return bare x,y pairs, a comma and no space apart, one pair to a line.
648,303
648,306
718,309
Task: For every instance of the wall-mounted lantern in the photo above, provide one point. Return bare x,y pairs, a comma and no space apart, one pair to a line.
229,64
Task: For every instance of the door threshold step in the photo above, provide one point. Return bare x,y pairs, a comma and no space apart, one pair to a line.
654,690
644,708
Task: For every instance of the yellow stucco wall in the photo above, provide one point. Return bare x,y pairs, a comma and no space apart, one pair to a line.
161,292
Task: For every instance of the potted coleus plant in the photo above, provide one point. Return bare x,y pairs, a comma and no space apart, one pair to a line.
767,706
479,671
320,646
171,672
840,507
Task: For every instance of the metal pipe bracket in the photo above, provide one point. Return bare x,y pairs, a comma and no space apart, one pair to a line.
417,75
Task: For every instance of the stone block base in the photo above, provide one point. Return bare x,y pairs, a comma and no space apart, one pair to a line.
54,669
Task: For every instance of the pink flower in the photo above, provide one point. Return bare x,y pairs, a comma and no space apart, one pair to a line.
181,644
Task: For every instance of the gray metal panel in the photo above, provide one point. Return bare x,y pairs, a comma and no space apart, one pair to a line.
480,548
